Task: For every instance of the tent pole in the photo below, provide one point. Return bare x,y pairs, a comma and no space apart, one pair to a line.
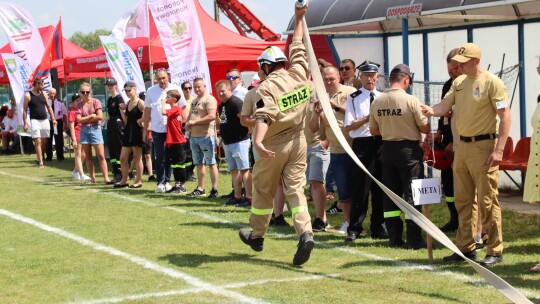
67,105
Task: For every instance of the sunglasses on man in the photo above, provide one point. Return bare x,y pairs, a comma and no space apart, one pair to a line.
187,88
232,77
346,68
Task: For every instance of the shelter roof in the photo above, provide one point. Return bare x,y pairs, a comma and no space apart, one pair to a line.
370,16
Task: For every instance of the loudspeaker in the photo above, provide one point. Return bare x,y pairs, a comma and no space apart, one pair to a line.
54,79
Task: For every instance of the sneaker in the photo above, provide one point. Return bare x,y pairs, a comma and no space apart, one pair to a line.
319,225
344,227
231,201
280,221
305,246
244,202
454,257
152,178
334,209
84,178
196,192
484,237
75,175
131,175
168,187
213,193
160,188
192,178
481,240
491,260
255,244
178,189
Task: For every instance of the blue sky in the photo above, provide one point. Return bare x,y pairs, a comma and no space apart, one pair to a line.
87,16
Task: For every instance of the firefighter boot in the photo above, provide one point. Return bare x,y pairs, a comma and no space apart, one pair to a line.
414,236
395,231
255,244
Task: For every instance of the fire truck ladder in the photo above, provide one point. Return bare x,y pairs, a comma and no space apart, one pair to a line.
244,20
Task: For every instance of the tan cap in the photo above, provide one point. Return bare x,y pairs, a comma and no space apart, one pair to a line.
467,52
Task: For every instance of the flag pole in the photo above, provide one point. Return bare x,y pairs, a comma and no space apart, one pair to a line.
150,64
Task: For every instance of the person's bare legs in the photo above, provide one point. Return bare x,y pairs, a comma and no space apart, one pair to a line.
87,148
137,159
124,158
100,153
246,177
318,193
39,153
201,174
237,183
214,173
479,227
346,206
78,159
148,159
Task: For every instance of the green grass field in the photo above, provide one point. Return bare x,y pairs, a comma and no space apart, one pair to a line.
65,242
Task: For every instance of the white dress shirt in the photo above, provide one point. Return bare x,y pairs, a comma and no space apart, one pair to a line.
154,95
358,107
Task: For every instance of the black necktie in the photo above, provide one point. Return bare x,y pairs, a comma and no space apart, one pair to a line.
371,97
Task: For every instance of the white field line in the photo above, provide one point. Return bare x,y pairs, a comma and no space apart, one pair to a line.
173,273
241,285
461,277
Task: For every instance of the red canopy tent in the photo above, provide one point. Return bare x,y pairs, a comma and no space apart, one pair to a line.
225,49
70,50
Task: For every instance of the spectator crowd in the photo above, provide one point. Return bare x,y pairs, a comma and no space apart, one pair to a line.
273,148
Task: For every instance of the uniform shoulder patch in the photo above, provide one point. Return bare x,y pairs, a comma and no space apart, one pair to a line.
357,93
260,104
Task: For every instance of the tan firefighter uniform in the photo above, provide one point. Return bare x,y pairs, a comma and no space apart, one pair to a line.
284,95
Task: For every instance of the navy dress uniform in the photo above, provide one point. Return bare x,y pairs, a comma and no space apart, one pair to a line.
397,117
366,147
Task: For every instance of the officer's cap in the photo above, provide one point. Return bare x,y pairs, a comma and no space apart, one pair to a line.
368,67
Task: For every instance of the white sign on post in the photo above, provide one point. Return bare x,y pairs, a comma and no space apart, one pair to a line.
426,191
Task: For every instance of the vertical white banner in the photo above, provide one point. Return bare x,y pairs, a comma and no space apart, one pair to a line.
123,64
133,23
23,35
18,72
180,32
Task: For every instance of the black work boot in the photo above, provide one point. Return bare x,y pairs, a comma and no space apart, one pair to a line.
353,232
414,236
394,225
305,245
453,224
255,244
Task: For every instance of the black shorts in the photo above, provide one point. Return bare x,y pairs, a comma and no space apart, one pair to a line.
147,148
